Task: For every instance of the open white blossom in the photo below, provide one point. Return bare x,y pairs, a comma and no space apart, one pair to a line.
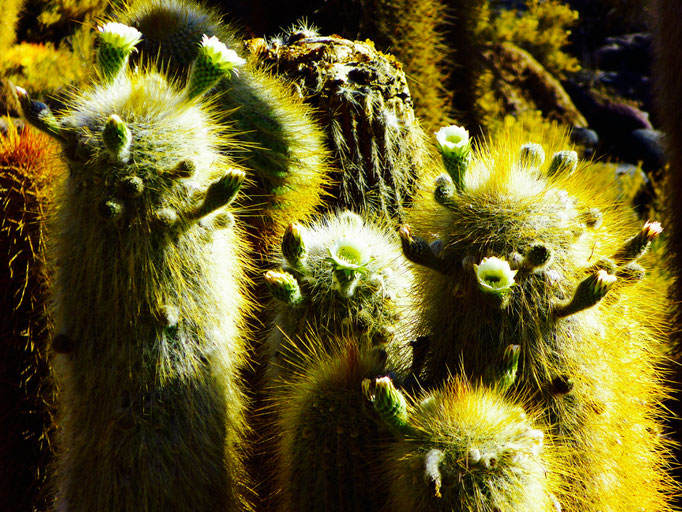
494,276
220,54
349,254
453,140
119,35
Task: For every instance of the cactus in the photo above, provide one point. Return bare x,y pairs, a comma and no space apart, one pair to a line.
148,294
361,97
329,438
535,254
343,276
275,135
470,449
29,171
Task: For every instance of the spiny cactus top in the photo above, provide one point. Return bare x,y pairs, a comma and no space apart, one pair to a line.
148,292
342,275
537,253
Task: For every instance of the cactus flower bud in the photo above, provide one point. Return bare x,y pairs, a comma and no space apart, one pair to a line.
284,287
563,162
117,42
531,155
455,147
293,246
494,276
116,137
388,401
215,61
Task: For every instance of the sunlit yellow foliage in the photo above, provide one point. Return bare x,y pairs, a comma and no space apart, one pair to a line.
541,30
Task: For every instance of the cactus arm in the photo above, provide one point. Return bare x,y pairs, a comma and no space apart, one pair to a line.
588,293
39,114
417,250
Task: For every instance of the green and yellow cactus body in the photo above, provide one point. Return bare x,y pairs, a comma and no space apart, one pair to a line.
349,278
471,449
148,301
277,140
538,254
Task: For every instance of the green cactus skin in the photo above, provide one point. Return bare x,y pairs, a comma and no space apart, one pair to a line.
590,357
362,99
329,438
470,449
276,137
148,303
349,278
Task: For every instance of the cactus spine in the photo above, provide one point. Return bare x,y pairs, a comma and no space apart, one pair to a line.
343,276
275,137
535,254
148,294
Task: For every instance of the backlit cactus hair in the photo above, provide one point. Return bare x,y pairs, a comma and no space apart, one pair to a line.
466,448
535,252
330,441
148,295
280,146
340,275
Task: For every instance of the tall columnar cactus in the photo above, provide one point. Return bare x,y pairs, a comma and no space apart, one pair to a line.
330,440
275,135
534,253
465,448
148,292
343,276
362,99
29,171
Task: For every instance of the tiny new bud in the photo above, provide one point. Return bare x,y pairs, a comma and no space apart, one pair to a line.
563,162
531,155
117,138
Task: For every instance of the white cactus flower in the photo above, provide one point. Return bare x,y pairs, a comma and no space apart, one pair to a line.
350,254
494,276
119,35
453,141
220,54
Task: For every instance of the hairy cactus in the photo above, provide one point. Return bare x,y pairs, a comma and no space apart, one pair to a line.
148,292
533,253
275,136
469,449
342,276
29,171
362,99
329,438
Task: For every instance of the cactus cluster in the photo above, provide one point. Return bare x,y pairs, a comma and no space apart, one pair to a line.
500,350
148,292
534,254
